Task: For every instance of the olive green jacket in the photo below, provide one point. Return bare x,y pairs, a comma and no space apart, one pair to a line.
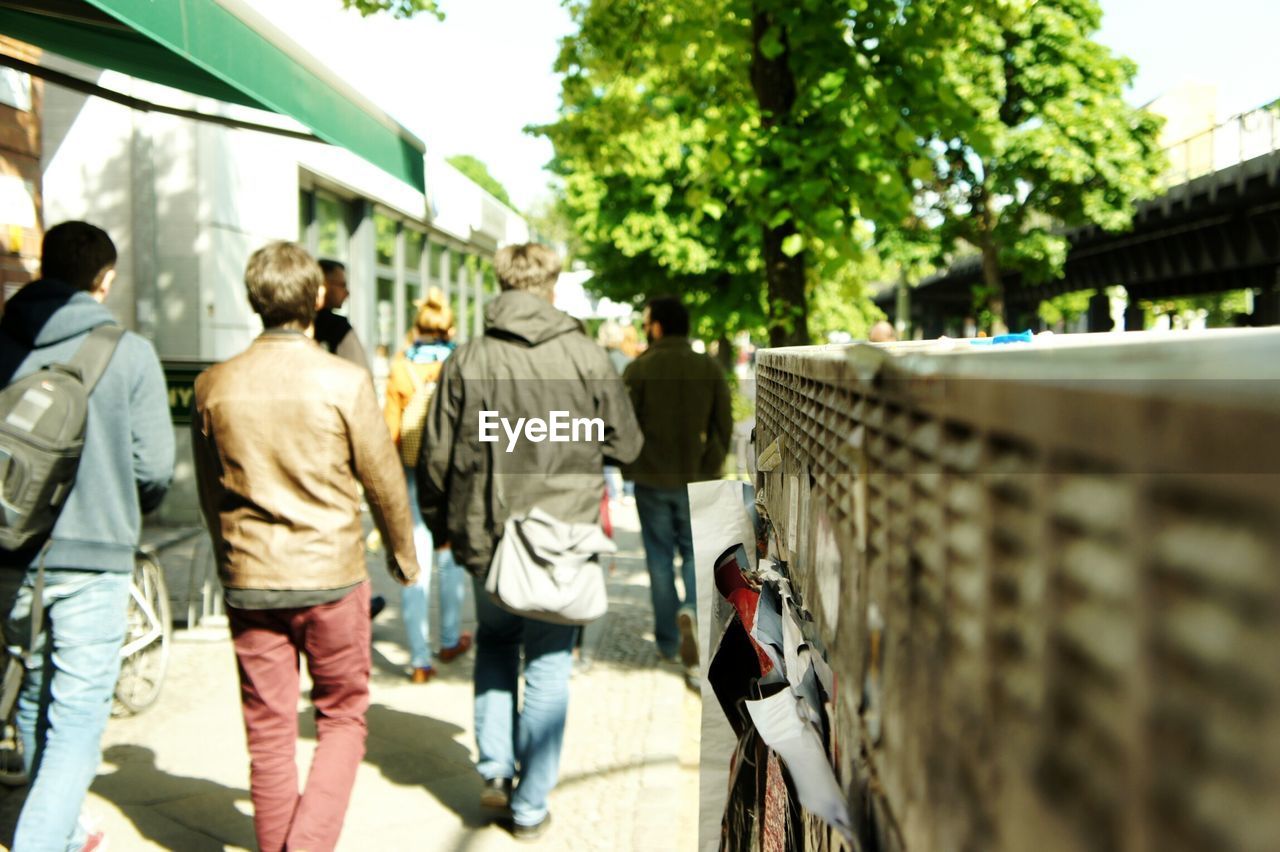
681,399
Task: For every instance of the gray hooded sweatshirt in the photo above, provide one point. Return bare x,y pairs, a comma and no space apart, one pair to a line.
127,462
533,363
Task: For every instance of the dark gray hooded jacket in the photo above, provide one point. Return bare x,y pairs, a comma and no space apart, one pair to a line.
127,462
532,361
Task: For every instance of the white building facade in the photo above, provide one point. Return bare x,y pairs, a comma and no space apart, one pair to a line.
187,202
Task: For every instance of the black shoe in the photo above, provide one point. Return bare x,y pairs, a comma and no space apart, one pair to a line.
531,832
377,604
496,793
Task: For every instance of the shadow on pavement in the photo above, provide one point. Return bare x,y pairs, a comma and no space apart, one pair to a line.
385,671
174,811
412,750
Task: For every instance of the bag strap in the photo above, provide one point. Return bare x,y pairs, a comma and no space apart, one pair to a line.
95,353
488,392
37,609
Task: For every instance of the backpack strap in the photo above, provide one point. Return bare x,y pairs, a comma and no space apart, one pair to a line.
37,608
95,353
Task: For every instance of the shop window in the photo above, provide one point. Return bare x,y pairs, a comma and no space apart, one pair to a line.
386,313
331,231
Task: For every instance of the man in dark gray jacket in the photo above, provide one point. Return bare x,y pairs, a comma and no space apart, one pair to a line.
125,469
523,418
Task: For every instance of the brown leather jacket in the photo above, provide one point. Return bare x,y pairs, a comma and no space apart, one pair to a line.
282,434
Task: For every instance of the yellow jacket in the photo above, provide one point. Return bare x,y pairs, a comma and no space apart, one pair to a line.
421,362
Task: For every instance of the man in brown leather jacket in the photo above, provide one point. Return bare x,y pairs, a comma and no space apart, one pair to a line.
283,434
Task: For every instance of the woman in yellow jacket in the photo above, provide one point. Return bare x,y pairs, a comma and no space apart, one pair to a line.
414,371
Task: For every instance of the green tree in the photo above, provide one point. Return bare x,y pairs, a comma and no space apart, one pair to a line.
549,221
1065,308
397,8
1220,309
718,145
634,146
1035,136
478,172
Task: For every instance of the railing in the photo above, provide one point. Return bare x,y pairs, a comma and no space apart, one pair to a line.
1242,137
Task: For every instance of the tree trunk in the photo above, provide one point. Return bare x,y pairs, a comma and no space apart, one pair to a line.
725,353
788,307
774,85
986,229
995,286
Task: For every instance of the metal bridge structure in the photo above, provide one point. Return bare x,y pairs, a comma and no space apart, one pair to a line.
1215,228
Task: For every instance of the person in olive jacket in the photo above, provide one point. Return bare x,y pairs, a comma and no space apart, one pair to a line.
681,399
533,368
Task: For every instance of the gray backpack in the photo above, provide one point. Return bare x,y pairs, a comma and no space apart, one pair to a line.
42,420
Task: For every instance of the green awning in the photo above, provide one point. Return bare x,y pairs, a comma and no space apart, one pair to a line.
220,49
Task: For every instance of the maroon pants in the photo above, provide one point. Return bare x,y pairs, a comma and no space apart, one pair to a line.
334,637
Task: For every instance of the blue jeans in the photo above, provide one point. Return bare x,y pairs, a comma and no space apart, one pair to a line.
616,486
532,737
66,695
415,600
664,527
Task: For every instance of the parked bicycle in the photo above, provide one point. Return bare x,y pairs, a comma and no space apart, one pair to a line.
144,657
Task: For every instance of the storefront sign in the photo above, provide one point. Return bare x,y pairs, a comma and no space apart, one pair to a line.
180,377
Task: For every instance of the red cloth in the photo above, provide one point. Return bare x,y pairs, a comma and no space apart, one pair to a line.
605,521
734,588
335,640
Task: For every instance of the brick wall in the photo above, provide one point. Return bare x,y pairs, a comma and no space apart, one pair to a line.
21,211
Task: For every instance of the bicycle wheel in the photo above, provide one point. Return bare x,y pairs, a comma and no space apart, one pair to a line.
13,770
145,655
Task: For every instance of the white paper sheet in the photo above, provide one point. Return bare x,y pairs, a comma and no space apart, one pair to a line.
719,519
782,727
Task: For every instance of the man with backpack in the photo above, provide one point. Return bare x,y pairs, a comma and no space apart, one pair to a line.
75,580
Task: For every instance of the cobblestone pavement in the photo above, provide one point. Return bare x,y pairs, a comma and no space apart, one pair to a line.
176,777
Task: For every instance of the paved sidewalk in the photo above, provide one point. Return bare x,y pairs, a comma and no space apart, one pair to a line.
176,777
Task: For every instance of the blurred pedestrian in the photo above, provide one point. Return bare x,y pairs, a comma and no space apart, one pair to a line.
681,399
612,338
333,331
632,346
532,360
282,434
882,332
415,373
125,469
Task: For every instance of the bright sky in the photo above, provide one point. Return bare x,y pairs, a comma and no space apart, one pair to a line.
1230,43
469,85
